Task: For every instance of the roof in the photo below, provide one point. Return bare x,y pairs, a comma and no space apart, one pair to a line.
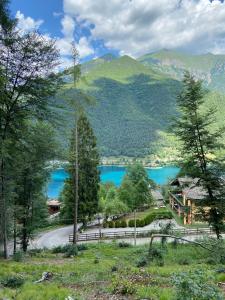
157,195
195,193
53,203
182,181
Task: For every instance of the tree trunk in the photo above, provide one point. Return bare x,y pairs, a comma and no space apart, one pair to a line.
3,210
76,186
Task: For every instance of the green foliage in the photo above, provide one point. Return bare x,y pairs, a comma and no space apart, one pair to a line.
134,190
130,99
111,224
123,244
88,177
12,282
18,256
196,285
199,148
68,250
174,63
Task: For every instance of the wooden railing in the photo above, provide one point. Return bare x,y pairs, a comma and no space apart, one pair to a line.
139,233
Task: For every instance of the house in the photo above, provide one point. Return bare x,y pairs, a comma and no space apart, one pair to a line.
53,206
158,198
185,197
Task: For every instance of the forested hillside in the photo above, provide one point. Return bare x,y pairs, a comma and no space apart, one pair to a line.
133,102
208,67
136,99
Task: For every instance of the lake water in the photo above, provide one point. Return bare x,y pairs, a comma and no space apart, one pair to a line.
110,173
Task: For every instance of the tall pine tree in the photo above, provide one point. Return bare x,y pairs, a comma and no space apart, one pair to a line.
88,178
201,142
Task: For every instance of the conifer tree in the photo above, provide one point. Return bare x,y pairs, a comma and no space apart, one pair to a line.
88,174
201,142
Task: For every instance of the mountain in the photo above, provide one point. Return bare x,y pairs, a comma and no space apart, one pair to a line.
133,102
208,67
136,99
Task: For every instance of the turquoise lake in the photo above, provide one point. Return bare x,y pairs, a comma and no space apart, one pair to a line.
110,173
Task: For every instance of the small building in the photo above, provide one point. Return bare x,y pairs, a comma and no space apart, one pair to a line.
53,206
158,198
185,197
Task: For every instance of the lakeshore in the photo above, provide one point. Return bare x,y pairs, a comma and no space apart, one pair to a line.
112,173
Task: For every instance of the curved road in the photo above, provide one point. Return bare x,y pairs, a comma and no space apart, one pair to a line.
60,236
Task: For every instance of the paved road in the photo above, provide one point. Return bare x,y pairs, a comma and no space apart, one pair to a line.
60,236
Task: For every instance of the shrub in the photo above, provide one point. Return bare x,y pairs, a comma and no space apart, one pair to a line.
105,224
196,285
12,282
131,223
142,262
82,247
123,244
34,252
155,253
184,261
71,250
18,256
111,224
123,286
114,269
123,224
117,224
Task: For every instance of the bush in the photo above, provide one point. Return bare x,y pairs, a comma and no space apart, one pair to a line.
18,256
71,250
117,224
105,225
123,286
155,253
142,262
131,223
34,252
184,261
123,224
123,244
82,247
12,282
196,285
111,224
158,215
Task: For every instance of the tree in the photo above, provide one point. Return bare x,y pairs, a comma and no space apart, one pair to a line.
109,202
30,203
200,142
27,82
88,174
135,188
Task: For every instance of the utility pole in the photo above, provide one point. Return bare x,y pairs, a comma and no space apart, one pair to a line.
76,178
135,228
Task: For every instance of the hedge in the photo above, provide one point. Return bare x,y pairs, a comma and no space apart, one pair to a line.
155,215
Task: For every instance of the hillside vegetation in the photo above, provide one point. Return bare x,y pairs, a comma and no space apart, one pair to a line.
207,67
135,101
114,271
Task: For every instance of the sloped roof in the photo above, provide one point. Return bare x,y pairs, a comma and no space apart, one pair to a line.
157,195
53,203
195,192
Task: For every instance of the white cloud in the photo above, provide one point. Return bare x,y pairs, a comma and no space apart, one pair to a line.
84,47
27,23
68,26
140,26
64,44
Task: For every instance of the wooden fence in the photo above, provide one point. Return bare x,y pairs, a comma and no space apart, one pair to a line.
139,234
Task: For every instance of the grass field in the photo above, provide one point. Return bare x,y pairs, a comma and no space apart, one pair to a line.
107,271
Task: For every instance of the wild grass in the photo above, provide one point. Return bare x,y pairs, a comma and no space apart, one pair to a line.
102,269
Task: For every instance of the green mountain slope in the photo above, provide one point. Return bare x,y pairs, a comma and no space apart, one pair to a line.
208,67
133,102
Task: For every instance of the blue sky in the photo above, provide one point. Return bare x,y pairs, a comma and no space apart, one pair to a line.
132,27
